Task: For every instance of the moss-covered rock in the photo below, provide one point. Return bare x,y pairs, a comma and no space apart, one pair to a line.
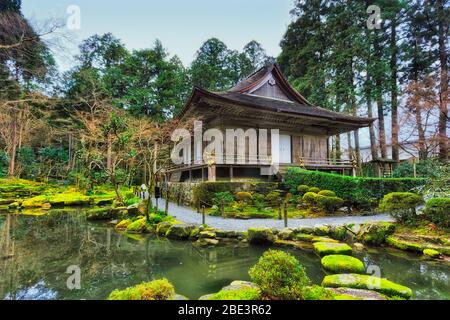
338,232
303,237
206,242
237,290
137,226
207,234
323,239
180,231
286,234
432,253
35,202
99,214
154,290
404,245
260,236
326,248
123,224
321,230
375,233
342,264
357,294
163,227
359,281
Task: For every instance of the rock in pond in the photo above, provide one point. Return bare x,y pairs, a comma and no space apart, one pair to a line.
237,290
357,294
432,253
99,214
337,263
326,248
366,282
260,236
137,226
285,234
375,233
180,231
162,228
323,239
206,242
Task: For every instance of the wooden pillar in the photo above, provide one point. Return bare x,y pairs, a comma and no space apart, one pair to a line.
203,174
231,173
212,173
190,175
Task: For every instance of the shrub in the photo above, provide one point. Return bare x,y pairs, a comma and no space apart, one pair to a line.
316,292
401,205
258,201
154,290
155,218
437,210
327,193
274,198
242,294
328,204
222,197
279,275
357,191
302,189
244,196
310,198
314,189
204,192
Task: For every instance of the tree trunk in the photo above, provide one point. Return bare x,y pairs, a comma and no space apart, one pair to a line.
351,153
109,152
423,154
13,149
379,101
394,92
443,94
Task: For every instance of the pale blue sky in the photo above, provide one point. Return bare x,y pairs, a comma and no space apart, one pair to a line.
181,25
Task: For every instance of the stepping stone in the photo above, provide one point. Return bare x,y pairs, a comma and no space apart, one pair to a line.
357,294
366,282
327,248
323,239
337,263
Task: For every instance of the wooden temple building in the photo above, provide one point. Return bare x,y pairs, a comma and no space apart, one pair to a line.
265,100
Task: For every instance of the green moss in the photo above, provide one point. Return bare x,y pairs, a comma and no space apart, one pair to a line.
342,264
326,248
155,290
99,214
36,202
123,224
323,239
404,245
137,226
432,253
316,292
303,237
179,231
240,294
359,281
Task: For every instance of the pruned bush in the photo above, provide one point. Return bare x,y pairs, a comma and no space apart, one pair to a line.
329,204
309,198
279,276
327,193
437,210
401,206
302,189
357,191
244,196
274,198
155,290
224,198
314,189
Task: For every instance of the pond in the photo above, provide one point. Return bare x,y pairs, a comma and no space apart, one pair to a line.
43,247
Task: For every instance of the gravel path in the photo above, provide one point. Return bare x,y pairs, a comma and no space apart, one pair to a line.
186,214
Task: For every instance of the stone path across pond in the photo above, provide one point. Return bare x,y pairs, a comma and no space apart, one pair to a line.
188,215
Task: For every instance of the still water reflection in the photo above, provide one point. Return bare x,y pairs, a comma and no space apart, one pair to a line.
39,250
